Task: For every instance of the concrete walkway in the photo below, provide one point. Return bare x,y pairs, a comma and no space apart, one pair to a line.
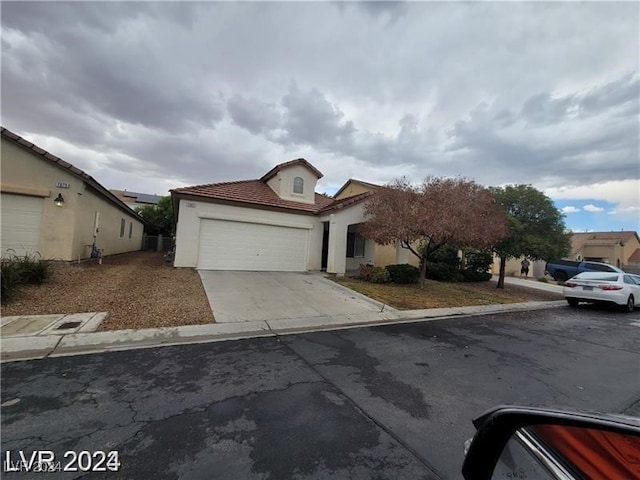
43,339
532,283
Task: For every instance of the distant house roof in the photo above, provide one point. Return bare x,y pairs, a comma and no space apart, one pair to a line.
58,162
353,180
135,197
298,161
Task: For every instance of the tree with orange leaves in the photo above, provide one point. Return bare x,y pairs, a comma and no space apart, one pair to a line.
436,212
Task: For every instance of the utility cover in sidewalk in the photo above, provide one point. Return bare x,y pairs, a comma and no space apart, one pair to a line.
67,325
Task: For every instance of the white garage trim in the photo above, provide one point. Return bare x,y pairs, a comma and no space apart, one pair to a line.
24,215
251,246
258,221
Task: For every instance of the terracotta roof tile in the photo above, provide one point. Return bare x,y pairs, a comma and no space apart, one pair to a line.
345,202
255,192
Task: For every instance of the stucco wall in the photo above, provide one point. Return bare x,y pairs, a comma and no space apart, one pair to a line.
63,229
192,212
108,238
352,189
282,183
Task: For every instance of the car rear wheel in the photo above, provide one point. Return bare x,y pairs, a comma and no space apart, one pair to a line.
573,302
630,304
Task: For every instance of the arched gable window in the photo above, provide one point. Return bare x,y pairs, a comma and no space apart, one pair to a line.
298,185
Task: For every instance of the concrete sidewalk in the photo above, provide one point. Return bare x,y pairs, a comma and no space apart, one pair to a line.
532,283
43,337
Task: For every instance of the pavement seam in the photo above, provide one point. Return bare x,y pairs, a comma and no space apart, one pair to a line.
380,425
55,347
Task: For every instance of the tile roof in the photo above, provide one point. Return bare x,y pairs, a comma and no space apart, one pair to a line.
297,161
345,202
255,192
57,161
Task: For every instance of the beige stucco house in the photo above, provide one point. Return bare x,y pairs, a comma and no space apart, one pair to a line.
276,223
617,248
53,208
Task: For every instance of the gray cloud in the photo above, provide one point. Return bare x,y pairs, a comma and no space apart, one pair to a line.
311,119
253,115
198,92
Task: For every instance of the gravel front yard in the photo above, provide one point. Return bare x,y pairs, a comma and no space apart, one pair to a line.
137,289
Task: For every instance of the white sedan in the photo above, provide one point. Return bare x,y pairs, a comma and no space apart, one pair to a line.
603,287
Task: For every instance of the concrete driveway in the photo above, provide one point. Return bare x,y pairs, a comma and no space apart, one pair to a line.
268,296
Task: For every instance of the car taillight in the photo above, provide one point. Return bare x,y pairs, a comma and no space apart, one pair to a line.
610,287
569,284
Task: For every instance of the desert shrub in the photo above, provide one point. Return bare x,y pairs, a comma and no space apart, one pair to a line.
9,280
16,271
380,275
543,280
403,273
366,269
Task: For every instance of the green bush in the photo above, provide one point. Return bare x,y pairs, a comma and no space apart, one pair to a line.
543,280
478,265
380,275
16,271
366,269
443,272
403,273
475,276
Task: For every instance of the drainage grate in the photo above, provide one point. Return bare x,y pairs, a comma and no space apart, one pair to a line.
68,325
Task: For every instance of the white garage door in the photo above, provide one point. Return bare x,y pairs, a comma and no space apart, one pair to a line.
20,216
226,245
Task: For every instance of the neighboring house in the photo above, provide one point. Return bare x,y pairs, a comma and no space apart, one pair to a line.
53,208
276,223
134,199
617,248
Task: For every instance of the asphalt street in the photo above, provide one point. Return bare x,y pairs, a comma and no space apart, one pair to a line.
384,402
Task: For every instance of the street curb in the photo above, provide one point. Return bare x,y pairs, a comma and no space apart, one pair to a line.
22,348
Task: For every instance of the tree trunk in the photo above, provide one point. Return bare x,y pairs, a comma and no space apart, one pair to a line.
503,266
423,271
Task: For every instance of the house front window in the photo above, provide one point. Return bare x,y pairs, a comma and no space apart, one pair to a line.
355,245
298,185
122,224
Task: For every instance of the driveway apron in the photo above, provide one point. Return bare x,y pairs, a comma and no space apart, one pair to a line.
250,296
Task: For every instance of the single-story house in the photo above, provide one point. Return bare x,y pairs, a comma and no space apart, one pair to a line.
276,223
50,207
617,248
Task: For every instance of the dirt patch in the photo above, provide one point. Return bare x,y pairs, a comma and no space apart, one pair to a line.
444,295
137,289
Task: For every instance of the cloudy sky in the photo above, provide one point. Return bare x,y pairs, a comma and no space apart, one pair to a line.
155,95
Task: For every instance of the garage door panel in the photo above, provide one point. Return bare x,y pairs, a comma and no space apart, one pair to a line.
227,245
21,217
